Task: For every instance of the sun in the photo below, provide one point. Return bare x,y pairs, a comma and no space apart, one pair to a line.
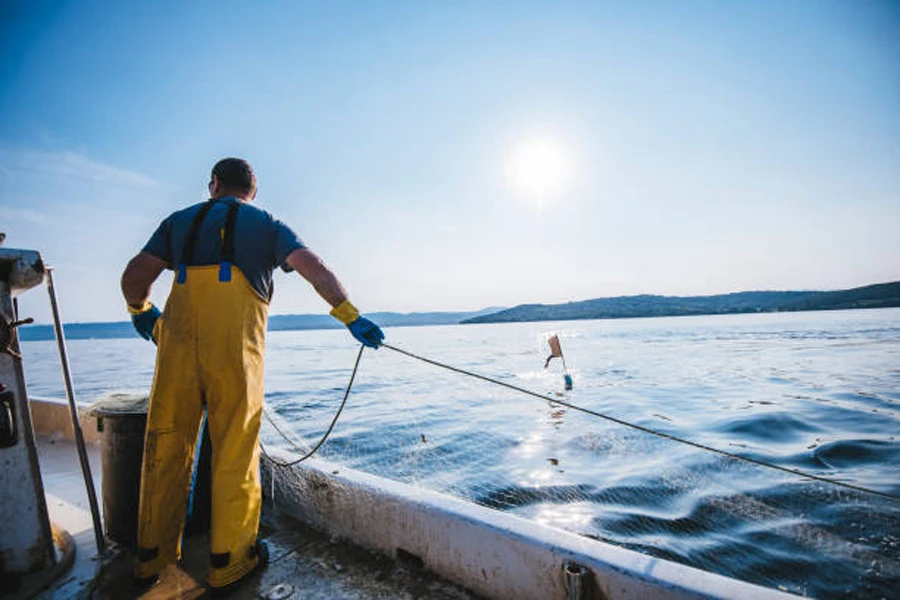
540,168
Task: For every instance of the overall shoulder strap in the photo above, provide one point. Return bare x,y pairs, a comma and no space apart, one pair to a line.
228,243
187,255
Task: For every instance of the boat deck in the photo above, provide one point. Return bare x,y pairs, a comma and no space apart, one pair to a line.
304,563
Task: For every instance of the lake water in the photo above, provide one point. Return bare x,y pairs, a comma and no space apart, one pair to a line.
816,391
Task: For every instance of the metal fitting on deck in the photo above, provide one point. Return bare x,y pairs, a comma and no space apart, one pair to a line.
575,575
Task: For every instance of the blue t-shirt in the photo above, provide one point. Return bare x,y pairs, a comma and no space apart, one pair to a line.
261,242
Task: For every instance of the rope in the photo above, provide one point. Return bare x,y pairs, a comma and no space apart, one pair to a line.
667,436
330,427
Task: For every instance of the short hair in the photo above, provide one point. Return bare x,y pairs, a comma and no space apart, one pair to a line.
235,175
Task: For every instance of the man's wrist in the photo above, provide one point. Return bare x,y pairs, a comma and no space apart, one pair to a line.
139,309
345,312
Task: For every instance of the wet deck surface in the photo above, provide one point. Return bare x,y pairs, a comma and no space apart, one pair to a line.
303,563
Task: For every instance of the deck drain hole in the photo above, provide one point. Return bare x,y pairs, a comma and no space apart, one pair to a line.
282,591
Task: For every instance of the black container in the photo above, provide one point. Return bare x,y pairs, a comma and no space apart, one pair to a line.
122,451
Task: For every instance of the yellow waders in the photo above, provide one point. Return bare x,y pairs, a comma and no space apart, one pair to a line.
211,340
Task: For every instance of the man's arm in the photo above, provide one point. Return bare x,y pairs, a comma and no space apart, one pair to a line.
138,276
308,264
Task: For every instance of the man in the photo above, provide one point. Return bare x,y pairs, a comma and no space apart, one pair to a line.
211,339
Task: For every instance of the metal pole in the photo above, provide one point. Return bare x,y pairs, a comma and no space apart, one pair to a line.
574,581
76,423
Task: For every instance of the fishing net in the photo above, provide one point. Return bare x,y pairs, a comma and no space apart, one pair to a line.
409,421
121,402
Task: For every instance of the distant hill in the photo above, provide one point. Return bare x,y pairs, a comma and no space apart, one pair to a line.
872,296
77,331
124,329
881,295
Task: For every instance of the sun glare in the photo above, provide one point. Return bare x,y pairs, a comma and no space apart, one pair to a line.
540,168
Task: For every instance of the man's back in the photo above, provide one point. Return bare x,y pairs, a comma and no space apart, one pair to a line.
261,242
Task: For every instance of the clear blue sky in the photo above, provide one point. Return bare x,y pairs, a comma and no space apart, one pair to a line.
710,146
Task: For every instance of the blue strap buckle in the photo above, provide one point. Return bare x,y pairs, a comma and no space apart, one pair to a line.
225,270
182,273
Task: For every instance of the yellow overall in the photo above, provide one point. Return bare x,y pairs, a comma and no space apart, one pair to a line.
211,340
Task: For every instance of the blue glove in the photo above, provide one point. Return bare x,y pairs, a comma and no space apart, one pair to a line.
366,332
144,319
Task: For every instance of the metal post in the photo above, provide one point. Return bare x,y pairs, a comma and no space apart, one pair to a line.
574,581
76,423
26,541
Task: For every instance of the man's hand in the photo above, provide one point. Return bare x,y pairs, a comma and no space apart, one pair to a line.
144,319
366,332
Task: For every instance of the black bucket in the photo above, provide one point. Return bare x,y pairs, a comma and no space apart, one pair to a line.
122,451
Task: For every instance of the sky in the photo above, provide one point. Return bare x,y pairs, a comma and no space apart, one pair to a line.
459,155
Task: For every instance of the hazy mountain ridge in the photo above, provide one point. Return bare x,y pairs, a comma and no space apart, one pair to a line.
880,295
